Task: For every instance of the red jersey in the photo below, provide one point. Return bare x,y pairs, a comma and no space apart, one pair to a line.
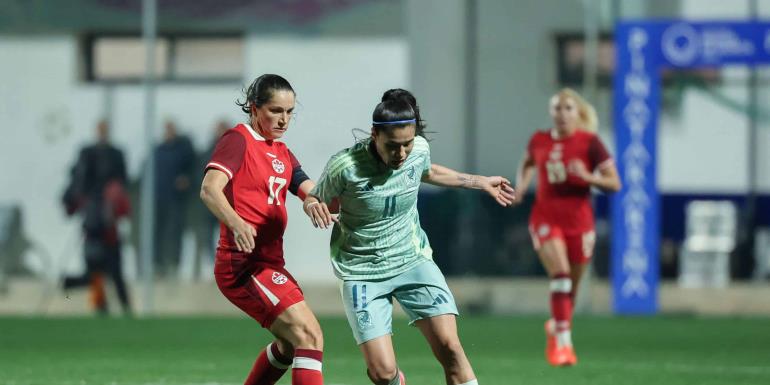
260,172
563,198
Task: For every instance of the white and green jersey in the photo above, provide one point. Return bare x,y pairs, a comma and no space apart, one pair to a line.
378,235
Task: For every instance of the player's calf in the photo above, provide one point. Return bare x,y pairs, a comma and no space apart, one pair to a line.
271,364
457,368
561,307
452,357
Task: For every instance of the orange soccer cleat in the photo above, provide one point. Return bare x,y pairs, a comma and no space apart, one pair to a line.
563,356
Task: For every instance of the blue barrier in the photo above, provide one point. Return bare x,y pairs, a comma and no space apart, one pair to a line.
642,49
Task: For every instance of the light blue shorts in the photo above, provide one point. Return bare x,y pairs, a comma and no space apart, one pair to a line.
422,292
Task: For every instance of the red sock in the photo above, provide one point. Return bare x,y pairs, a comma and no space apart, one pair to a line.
561,301
269,366
306,369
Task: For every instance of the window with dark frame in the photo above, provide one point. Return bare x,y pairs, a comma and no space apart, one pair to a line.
120,58
570,57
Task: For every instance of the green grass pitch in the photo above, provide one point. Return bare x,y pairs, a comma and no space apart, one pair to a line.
503,350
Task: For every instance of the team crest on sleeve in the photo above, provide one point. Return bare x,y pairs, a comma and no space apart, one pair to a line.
411,173
279,279
278,166
543,230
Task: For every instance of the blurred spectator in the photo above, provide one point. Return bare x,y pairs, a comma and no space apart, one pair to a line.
174,167
97,190
207,223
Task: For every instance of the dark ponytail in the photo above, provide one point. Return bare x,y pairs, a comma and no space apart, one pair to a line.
261,90
402,94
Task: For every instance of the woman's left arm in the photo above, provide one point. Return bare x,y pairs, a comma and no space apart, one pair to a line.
496,186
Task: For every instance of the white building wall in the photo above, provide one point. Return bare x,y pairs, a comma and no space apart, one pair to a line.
48,114
716,138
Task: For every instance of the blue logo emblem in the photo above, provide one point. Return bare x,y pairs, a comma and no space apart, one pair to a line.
411,173
364,320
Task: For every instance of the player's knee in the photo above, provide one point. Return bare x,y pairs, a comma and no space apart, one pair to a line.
308,336
383,372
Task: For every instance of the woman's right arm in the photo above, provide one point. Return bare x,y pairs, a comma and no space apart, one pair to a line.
326,192
319,213
524,174
214,182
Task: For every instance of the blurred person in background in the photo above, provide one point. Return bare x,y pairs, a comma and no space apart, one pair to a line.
97,191
569,159
205,222
378,248
174,175
245,186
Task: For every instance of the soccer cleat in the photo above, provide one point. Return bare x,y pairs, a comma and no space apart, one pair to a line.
571,357
563,356
550,338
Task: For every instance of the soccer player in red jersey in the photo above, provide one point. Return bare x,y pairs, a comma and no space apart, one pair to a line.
562,222
245,186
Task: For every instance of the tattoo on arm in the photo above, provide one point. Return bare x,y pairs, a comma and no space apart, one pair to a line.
469,181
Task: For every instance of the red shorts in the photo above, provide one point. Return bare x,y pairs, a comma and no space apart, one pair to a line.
262,292
580,247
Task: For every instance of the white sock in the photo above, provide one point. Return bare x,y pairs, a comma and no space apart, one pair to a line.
564,338
471,382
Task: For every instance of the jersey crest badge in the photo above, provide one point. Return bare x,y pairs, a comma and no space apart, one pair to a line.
364,320
411,173
278,166
279,279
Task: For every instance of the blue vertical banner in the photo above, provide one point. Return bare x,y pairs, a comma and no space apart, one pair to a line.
635,209
642,49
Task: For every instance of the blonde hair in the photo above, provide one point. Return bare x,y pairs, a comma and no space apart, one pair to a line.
587,112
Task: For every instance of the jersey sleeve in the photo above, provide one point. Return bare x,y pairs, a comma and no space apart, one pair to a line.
228,153
297,176
421,145
531,147
598,154
332,181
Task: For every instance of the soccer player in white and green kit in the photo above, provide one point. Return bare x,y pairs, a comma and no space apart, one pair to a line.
378,248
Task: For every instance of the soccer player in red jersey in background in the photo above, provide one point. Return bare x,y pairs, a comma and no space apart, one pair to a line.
562,222
245,186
